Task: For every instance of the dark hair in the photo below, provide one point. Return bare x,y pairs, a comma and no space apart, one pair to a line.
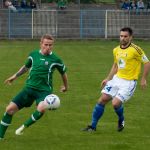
127,29
47,36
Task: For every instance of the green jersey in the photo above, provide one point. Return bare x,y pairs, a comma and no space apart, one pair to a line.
41,70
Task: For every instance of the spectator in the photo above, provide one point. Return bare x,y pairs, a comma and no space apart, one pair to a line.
15,3
140,4
62,4
10,6
133,5
32,4
125,5
148,5
24,4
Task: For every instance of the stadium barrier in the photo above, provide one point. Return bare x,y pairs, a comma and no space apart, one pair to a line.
72,24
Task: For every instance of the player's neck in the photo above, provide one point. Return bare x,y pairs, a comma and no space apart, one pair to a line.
45,53
125,46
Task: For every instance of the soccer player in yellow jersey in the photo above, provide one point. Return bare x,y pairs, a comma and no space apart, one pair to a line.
120,83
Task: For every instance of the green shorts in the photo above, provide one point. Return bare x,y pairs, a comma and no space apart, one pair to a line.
27,96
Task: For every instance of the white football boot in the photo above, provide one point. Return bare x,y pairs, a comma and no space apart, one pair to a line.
19,131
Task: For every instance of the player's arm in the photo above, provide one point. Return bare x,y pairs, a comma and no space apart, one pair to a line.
21,71
62,70
64,88
146,70
143,58
112,72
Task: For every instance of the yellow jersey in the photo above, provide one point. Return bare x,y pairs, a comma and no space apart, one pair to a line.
129,61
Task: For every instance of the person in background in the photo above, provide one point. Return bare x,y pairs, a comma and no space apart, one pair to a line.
62,4
140,4
126,5
33,4
133,5
10,6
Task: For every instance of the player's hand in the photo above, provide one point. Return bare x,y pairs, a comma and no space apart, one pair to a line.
143,83
10,80
103,83
63,89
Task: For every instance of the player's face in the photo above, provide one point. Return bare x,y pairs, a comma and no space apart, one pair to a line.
125,38
46,46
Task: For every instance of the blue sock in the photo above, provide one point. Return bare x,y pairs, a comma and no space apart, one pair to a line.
119,112
97,113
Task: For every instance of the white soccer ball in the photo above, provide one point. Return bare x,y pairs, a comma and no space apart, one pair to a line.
52,101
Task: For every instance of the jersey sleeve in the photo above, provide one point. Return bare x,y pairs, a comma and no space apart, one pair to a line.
61,67
28,62
140,55
144,58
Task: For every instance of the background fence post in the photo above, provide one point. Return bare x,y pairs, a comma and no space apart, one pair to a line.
32,24
106,29
9,24
81,24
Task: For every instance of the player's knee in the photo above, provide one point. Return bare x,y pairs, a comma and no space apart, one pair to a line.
102,102
116,104
11,109
104,99
41,107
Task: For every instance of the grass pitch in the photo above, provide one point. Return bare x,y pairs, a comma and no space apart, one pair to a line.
88,63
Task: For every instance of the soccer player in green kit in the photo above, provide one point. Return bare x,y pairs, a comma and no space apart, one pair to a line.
41,64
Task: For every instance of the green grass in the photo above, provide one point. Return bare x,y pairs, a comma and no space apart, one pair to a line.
88,63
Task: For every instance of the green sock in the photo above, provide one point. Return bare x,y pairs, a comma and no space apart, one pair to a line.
5,122
34,117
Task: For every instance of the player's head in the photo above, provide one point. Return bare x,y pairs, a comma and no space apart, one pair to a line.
125,36
46,44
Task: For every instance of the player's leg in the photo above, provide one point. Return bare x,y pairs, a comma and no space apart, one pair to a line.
125,92
98,111
118,107
34,117
17,103
108,92
38,113
11,109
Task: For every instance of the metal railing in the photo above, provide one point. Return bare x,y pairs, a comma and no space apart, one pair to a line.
72,24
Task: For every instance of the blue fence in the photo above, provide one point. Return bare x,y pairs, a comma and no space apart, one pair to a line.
20,24
92,25
73,24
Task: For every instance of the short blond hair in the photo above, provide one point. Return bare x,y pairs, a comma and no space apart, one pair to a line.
47,36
